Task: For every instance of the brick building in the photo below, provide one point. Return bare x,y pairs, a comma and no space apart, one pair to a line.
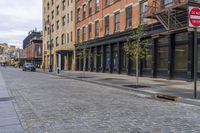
32,46
104,25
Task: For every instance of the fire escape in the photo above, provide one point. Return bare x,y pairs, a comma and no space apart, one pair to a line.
172,15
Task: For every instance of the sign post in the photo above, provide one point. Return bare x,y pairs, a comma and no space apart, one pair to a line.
194,22
195,62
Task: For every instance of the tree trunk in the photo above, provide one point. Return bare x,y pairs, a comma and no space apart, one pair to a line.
137,71
84,66
137,64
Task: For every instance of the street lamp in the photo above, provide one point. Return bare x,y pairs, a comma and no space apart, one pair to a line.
50,47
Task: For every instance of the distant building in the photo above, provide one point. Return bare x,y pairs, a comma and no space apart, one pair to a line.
7,53
32,46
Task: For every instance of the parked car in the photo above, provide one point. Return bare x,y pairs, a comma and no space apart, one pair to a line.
28,67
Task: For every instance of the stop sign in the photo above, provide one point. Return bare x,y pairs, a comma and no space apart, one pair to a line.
194,17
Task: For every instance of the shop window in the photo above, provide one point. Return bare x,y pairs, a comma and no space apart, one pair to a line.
181,57
148,59
107,59
181,36
162,58
124,60
115,58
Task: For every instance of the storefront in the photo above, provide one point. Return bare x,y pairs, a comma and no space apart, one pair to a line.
168,56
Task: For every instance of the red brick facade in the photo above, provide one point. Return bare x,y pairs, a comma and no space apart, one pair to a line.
113,7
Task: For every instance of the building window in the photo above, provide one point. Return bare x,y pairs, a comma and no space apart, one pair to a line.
52,2
96,29
63,20
78,14
71,36
68,18
167,3
129,17
52,27
57,10
67,2
63,39
63,4
48,18
84,11
89,31
143,11
83,33
97,5
52,14
57,41
106,23
107,2
67,37
57,25
117,21
78,35
48,5
90,7
71,15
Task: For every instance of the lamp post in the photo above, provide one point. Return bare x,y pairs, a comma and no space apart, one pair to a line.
50,47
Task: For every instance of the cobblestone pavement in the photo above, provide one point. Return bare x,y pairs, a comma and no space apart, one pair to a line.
50,104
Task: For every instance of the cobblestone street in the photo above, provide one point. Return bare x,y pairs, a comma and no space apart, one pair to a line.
51,104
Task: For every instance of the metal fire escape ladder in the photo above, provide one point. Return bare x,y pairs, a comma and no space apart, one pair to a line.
169,17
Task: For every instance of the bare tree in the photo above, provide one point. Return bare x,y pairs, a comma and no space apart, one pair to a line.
136,47
84,53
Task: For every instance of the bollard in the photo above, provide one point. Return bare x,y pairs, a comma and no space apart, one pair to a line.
58,71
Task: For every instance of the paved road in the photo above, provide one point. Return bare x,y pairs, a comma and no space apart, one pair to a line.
51,104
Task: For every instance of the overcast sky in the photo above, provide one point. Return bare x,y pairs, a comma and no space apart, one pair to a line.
17,18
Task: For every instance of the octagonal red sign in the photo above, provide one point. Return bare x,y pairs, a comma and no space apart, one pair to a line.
194,17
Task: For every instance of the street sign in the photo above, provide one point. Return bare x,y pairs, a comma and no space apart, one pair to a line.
194,17
194,22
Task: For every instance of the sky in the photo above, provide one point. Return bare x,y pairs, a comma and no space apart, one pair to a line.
17,18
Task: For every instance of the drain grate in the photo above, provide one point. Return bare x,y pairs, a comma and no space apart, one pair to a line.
166,97
6,99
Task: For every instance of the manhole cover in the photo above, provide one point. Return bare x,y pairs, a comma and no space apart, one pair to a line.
137,86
